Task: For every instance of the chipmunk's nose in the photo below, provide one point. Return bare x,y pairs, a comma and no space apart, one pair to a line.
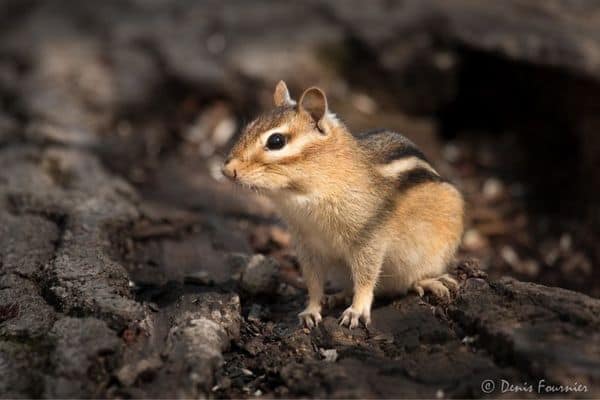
229,168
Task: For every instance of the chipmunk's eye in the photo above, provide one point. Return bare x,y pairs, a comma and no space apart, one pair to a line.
276,141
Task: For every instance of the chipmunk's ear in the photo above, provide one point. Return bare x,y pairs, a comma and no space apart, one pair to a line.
282,95
314,101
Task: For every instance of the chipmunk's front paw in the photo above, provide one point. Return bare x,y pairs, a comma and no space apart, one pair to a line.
350,317
310,317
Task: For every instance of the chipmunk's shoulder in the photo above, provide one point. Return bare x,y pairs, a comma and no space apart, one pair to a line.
396,157
385,146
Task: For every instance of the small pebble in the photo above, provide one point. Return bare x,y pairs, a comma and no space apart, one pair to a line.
492,188
364,103
224,131
198,278
329,355
565,242
509,255
473,240
469,339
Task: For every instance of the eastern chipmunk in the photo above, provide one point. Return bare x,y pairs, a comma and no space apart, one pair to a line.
369,205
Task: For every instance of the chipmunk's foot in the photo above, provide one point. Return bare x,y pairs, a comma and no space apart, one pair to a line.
351,317
436,286
310,317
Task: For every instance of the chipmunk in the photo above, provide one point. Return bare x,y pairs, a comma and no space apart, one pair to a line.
368,205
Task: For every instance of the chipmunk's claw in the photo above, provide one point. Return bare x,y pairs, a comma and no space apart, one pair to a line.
350,318
449,281
420,291
436,286
310,318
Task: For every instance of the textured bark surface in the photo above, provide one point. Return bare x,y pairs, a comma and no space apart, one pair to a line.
128,270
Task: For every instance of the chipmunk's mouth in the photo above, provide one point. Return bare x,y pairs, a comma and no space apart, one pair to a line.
260,188
258,180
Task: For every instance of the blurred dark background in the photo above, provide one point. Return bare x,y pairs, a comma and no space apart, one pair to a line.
503,96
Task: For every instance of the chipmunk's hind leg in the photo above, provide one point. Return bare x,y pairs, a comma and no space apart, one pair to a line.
436,286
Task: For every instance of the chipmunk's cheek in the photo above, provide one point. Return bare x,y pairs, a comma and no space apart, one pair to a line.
269,182
253,177
278,184
276,181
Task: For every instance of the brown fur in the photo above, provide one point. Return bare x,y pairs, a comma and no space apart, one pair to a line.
368,207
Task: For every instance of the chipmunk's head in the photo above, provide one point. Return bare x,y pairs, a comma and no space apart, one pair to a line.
284,148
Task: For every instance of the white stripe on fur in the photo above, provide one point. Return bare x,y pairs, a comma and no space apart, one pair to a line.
396,167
